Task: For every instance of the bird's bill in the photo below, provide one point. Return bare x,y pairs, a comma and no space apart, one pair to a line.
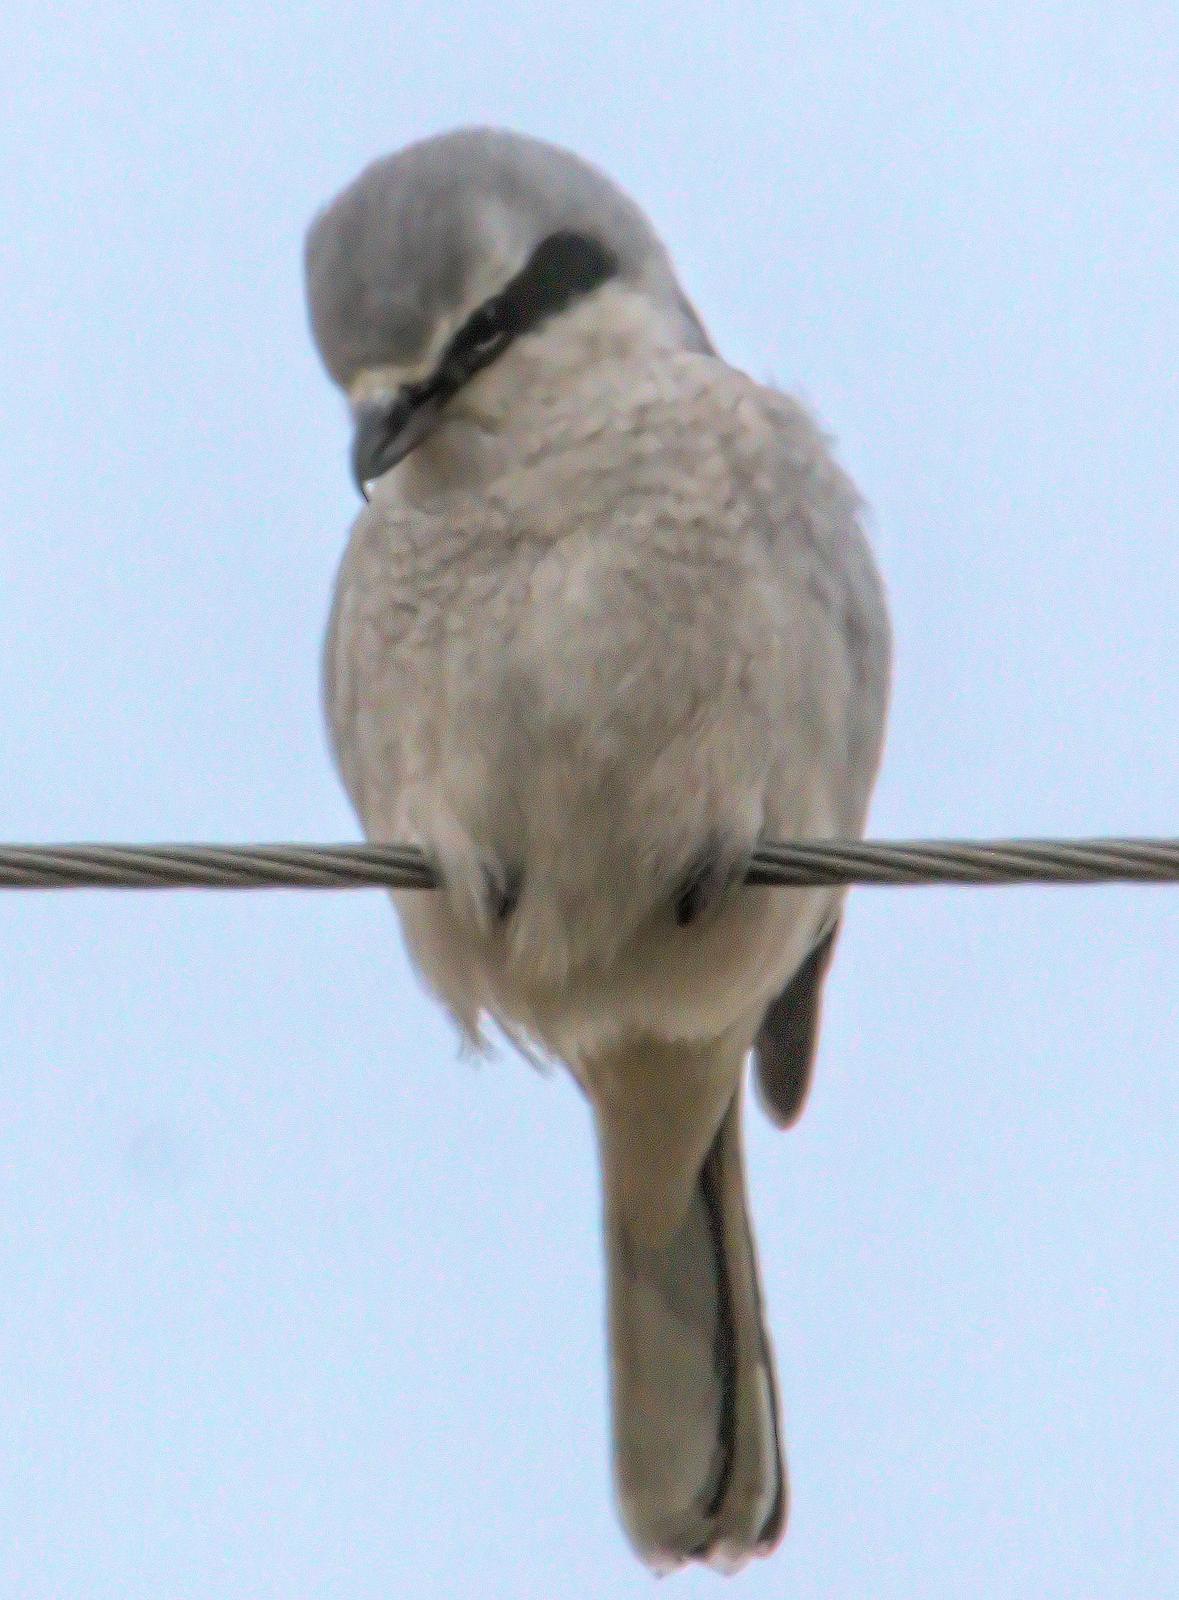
387,430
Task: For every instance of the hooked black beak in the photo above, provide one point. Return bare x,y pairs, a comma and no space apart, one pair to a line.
386,432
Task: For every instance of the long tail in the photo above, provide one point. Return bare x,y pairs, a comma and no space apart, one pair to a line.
697,1455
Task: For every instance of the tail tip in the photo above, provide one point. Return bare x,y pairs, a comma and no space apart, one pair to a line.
724,1540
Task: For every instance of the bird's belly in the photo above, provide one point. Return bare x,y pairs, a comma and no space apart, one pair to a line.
590,769
570,732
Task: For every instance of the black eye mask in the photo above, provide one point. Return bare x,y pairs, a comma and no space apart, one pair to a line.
561,269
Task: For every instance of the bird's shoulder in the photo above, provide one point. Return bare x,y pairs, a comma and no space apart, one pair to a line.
777,452
789,495
692,426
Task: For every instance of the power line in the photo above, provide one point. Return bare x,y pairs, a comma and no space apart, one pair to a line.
810,863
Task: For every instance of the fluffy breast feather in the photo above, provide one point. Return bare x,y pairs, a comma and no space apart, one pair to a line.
654,622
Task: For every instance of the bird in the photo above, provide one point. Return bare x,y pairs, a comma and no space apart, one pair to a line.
606,620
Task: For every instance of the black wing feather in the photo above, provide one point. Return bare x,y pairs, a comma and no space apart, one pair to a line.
785,1044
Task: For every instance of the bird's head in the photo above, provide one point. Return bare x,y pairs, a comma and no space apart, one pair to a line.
441,260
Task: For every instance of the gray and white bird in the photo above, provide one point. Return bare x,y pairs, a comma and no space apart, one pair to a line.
608,621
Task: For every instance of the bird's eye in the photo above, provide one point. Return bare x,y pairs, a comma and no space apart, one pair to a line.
485,329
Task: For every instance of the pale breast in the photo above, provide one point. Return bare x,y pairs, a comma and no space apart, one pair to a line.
659,626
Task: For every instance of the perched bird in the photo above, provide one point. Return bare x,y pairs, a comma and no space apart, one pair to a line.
607,621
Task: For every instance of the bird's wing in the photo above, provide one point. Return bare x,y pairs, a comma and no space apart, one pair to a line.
376,698
784,1049
807,500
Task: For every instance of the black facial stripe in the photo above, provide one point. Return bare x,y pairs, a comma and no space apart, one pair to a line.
561,269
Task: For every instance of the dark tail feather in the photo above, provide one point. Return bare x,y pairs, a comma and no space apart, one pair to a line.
698,1460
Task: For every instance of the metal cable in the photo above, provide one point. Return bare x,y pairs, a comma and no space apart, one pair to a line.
396,866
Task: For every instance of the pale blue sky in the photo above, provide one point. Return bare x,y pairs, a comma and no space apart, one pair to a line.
295,1305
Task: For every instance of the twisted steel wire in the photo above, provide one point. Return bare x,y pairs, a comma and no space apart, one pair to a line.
809,863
